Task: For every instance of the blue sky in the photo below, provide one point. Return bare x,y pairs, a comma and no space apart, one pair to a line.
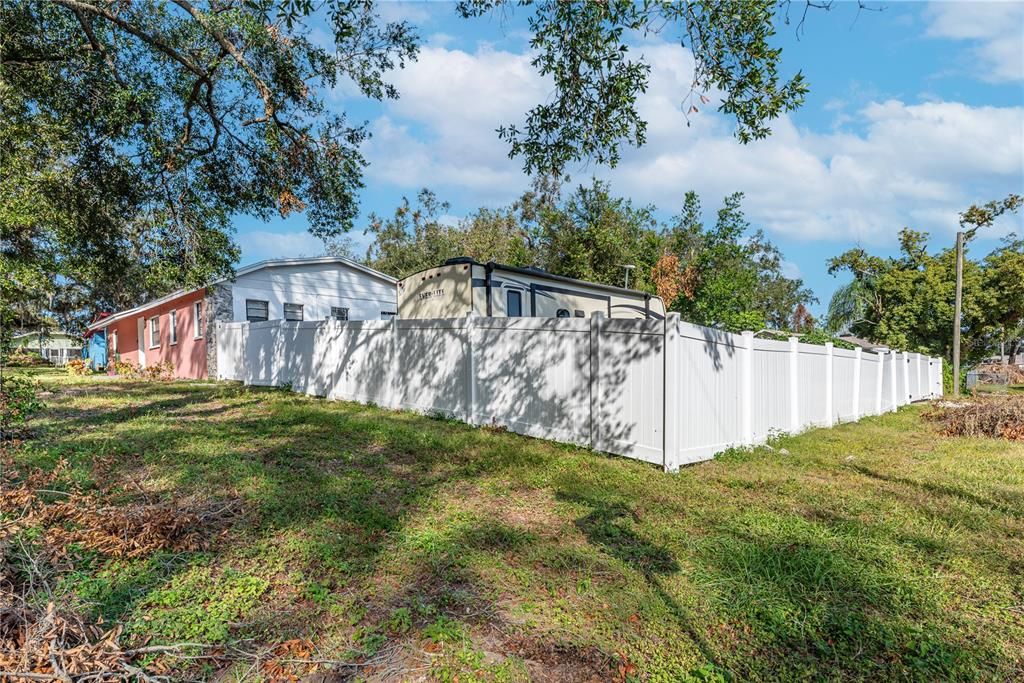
915,112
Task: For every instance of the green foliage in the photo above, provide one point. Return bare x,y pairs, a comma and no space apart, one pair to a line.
583,47
822,337
731,278
907,302
131,137
23,357
592,234
18,403
200,606
133,134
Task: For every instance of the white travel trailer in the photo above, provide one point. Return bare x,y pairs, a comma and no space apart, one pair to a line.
463,285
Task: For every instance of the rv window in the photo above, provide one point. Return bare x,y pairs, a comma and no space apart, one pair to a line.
256,311
339,313
579,314
293,312
514,304
562,313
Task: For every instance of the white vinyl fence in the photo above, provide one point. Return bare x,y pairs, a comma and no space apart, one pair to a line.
663,391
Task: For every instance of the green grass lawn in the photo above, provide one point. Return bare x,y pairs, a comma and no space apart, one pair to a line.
428,549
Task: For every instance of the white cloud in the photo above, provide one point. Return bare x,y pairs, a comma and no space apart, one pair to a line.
912,164
413,12
996,27
912,158
441,132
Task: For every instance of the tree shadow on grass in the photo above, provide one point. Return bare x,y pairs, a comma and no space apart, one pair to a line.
827,605
1014,505
611,526
326,486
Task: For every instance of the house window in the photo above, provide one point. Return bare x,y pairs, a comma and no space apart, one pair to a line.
513,303
293,312
197,319
339,313
562,313
113,342
387,315
173,322
154,332
256,311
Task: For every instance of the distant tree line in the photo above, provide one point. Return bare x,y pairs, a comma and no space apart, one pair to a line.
907,301
724,274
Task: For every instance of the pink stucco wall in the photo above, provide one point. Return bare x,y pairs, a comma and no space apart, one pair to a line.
188,354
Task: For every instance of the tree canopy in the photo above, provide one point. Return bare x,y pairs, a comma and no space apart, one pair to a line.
133,133
726,275
907,301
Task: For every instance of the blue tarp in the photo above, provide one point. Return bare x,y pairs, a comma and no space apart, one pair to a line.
95,350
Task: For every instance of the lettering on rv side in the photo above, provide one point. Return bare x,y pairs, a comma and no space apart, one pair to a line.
428,295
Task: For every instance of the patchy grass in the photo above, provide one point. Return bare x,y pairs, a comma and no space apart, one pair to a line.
419,548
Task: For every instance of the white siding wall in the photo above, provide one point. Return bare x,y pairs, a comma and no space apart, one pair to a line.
665,392
318,287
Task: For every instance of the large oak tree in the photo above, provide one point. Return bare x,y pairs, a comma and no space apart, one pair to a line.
132,132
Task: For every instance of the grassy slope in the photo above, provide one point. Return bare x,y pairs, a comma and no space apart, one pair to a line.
874,550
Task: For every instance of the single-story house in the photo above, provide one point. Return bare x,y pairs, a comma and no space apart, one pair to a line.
463,285
181,327
57,347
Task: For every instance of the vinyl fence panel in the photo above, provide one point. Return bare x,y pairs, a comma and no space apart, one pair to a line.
533,375
662,391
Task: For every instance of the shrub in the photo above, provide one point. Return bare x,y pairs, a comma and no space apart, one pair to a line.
24,358
159,371
163,370
78,366
126,368
18,402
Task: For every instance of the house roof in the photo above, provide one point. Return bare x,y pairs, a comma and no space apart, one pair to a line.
863,343
55,333
313,260
260,265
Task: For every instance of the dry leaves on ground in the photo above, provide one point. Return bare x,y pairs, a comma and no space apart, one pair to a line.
992,416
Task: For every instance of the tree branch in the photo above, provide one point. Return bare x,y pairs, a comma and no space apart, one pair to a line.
150,39
269,107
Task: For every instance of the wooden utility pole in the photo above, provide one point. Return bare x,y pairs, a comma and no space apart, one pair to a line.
956,311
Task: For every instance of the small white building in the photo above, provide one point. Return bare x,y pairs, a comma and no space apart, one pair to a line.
321,288
462,285
181,328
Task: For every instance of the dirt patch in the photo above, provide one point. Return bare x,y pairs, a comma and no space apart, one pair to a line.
1000,417
550,661
531,510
